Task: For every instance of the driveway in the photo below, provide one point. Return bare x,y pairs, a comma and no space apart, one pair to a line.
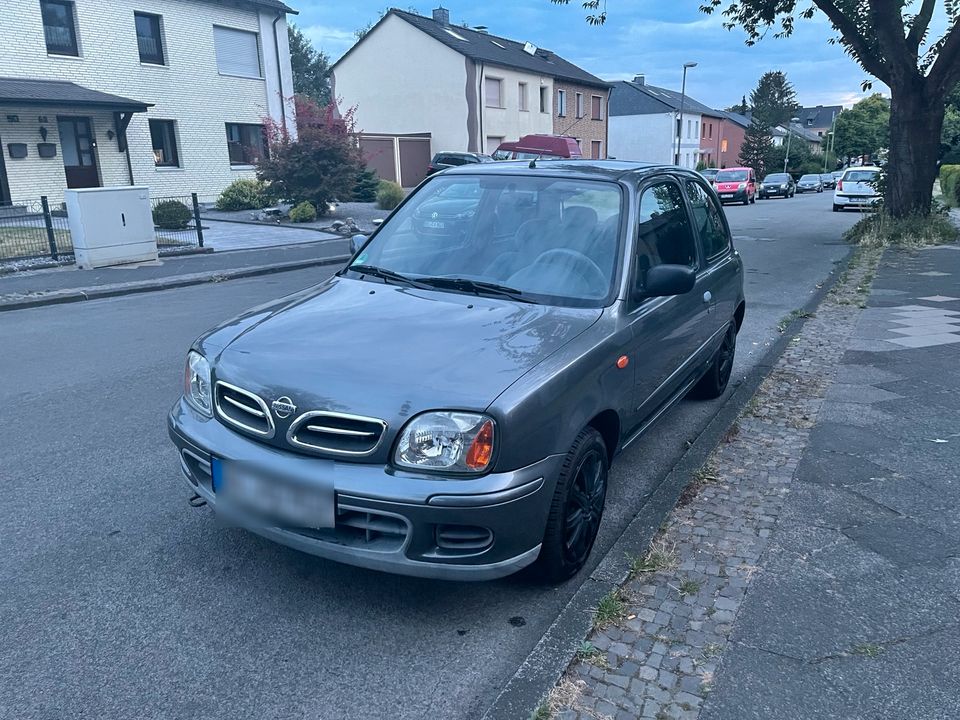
119,600
222,235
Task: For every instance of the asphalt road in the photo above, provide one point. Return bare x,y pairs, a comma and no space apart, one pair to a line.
118,600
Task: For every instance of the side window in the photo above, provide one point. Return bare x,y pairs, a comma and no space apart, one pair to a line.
664,235
707,220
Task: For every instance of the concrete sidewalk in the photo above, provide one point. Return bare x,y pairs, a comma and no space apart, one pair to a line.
812,567
67,284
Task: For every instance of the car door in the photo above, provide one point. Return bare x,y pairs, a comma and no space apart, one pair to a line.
719,269
665,331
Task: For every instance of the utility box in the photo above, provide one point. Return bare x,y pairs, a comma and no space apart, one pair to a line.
111,226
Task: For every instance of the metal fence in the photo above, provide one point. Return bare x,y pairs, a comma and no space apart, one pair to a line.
31,229
39,229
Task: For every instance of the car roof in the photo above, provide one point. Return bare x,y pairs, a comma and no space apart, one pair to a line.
580,169
862,167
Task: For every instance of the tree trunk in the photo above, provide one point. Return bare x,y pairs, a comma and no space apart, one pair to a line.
916,123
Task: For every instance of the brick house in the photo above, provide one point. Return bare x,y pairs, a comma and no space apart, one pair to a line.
586,107
721,138
171,94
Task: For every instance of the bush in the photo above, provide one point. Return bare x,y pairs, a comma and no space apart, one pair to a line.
304,212
242,194
365,189
956,194
880,230
389,195
172,215
950,182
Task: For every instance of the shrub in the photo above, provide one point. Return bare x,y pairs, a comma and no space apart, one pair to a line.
365,189
956,194
950,182
172,215
304,212
242,194
389,195
880,230
321,165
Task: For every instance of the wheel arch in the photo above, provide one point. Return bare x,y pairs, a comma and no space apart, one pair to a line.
607,423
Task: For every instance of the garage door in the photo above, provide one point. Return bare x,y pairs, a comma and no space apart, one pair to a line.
414,158
379,156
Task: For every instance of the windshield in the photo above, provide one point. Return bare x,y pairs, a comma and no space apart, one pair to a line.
776,178
731,176
864,176
556,241
501,154
810,178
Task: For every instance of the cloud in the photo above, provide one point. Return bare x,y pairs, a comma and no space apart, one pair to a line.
333,41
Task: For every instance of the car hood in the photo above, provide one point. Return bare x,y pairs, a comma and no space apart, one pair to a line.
388,351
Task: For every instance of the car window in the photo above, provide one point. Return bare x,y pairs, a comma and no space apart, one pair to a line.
732,176
664,235
707,219
864,176
556,240
455,160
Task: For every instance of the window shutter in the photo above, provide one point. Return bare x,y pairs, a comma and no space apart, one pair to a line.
238,52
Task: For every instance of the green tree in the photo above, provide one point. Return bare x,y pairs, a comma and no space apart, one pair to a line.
890,40
756,147
950,141
311,68
774,100
864,129
741,107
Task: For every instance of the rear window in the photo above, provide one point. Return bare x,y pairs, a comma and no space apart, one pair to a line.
865,176
731,176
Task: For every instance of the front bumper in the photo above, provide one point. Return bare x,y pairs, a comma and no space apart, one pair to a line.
774,192
386,519
732,196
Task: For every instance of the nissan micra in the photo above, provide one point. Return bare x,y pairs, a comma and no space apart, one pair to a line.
448,404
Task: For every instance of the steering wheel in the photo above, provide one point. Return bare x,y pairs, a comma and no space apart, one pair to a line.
587,269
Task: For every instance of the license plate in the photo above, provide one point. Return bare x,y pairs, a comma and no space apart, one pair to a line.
277,498
434,224
726,195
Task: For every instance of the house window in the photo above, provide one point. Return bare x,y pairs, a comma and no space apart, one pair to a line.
238,52
579,105
245,144
723,145
543,98
148,38
561,103
596,149
163,136
492,87
596,107
522,91
59,28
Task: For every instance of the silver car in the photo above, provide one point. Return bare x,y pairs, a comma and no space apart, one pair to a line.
448,405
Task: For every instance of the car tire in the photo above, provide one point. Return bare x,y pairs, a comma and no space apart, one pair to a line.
714,382
576,509
753,199
746,200
837,208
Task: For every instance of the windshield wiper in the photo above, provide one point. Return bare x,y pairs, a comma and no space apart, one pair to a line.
386,274
476,286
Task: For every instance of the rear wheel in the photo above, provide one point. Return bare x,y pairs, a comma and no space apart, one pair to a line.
576,508
714,383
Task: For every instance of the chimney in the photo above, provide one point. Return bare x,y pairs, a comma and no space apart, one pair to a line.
442,15
640,79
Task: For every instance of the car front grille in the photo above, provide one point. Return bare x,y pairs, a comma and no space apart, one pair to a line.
338,433
243,409
360,528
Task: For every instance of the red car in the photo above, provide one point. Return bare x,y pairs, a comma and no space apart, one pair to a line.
535,147
736,185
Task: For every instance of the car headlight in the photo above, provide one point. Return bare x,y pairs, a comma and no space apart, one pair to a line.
784,186
741,186
196,383
451,441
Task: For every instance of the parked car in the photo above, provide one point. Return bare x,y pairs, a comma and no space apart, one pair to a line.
710,174
534,147
809,183
857,188
444,160
837,174
450,410
828,182
778,185
736,185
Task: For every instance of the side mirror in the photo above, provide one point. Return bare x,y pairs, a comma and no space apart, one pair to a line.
667,280
356,242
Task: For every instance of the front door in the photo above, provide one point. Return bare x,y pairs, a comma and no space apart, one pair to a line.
78,150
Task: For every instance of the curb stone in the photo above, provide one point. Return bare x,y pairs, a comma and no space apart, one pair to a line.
549,659
659,660
59,297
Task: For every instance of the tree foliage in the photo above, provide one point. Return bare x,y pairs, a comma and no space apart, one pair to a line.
756,147
310,67
774,100
864,129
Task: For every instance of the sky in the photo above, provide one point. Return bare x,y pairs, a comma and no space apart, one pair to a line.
650,37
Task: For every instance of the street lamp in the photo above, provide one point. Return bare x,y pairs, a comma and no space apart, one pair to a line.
786,158
683,97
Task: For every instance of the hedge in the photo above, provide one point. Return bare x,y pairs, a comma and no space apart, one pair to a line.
950,182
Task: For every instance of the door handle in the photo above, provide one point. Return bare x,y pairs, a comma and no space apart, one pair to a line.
707,297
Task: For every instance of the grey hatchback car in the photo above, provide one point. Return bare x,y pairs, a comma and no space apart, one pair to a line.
448,405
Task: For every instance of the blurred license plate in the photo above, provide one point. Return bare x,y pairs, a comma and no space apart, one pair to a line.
726,195
435,224
275,498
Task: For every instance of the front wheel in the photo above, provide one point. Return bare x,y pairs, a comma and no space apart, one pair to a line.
576,508
714,382
837,208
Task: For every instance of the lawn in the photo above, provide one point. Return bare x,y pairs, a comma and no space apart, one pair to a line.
30,241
